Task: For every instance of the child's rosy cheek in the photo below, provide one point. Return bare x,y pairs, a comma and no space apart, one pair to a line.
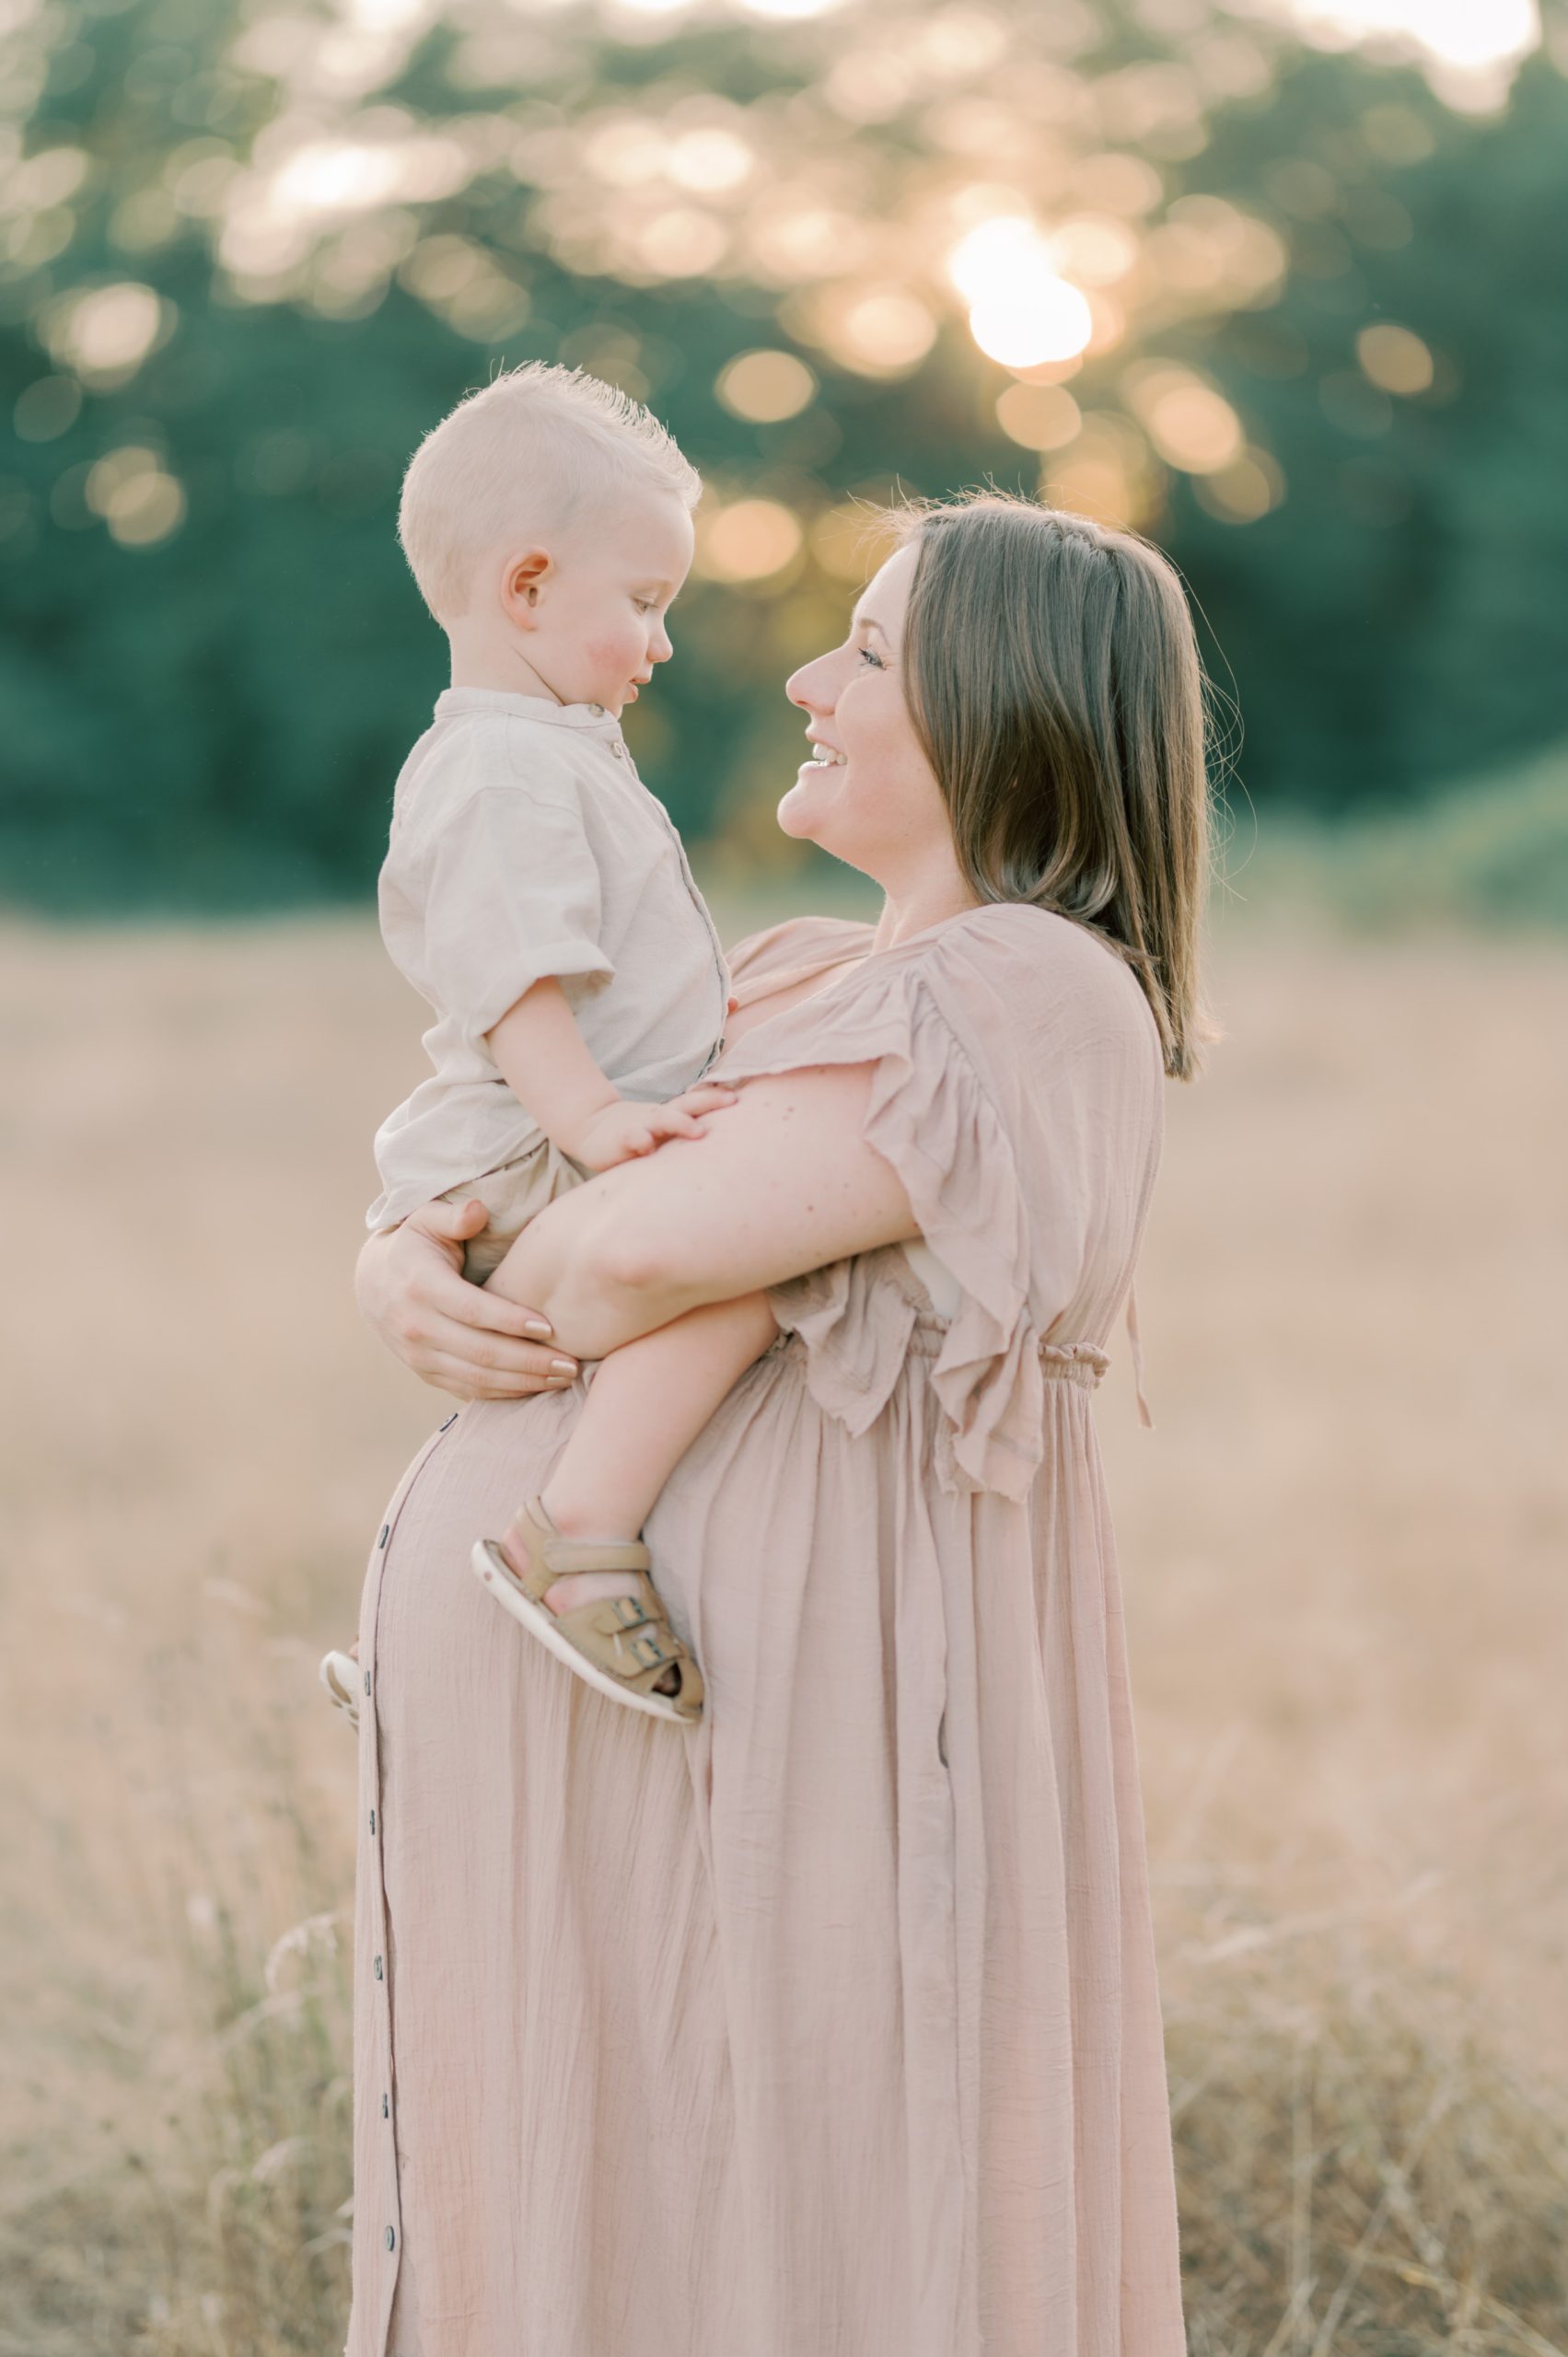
611,648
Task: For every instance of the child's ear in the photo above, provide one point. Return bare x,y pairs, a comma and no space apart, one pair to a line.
522,583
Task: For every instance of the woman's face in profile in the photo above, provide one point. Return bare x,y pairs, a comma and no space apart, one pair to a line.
869,794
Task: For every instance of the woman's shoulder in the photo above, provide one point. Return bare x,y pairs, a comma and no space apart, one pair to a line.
1012,968
797,942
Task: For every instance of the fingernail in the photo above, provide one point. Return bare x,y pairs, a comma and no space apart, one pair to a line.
563,1366
540,1326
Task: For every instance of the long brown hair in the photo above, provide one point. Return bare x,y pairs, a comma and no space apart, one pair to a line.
1053,678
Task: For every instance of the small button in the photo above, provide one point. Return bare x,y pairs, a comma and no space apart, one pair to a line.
379,1972
386,1534
598,711
392,2239
372,1820
450,1422
367,1681
619,751
386,2107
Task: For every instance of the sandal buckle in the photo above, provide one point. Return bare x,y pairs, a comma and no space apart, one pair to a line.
649,1652
629,1611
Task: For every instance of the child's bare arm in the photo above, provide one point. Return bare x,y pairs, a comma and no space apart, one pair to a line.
543,1059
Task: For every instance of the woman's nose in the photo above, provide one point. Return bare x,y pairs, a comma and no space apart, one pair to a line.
814,687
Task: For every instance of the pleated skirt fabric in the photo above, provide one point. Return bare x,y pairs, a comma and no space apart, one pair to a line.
829,2029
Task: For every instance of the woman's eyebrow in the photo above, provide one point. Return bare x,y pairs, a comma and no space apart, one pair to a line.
867,621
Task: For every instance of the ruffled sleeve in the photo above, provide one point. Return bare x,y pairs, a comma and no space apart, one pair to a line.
933,1117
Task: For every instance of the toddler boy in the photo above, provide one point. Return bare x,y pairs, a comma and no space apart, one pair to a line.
538,898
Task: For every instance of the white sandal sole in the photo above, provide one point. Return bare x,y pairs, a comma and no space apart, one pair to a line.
491,1566
339,1674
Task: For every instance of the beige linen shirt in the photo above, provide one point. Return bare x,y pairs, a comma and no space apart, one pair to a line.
524,844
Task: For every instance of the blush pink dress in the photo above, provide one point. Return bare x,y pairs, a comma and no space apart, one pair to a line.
829,2029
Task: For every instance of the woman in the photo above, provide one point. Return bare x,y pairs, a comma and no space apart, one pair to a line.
830,2030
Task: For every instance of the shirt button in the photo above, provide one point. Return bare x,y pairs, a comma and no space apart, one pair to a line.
392,2239
379,1972
372,1820
367,1681
598,711
619,751
386,2109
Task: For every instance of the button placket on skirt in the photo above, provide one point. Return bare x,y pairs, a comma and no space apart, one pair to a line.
385,2230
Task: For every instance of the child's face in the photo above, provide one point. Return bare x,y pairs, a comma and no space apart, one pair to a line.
593,620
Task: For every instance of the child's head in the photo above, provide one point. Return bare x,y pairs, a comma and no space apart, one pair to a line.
551,516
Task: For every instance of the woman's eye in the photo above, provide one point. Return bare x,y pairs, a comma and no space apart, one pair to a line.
869,654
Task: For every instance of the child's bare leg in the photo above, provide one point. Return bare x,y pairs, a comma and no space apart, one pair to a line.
646,1406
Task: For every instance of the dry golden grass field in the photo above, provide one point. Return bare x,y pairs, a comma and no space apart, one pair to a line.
1344,1554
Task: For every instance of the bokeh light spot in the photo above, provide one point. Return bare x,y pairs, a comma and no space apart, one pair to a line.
1107,473
1190,425
750,541
851,539
789,9
46,408
708,161
682,243
1022,311
1039,417
1394,358
1251,487
766,387
106,333
136,499
877,330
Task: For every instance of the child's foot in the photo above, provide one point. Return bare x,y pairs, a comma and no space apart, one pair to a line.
340,1675
591,1603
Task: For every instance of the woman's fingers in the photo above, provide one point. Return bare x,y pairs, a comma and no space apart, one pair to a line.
458,1223
463,1381
481,1349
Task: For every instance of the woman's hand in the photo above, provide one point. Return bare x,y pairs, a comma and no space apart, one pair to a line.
475,1344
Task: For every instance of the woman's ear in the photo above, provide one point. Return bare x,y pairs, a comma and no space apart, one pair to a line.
522,585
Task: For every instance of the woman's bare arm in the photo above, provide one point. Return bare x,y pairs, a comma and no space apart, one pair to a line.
783,1184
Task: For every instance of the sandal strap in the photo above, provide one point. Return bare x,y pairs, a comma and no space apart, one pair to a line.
635,1653
553,1557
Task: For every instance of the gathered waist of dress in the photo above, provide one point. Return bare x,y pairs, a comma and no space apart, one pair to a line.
1079,1362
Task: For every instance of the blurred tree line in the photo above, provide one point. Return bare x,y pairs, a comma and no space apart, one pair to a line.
247,256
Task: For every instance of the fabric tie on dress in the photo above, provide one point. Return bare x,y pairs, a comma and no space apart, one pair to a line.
1136,1348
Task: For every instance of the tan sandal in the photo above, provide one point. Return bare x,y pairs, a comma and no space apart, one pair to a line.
623,1644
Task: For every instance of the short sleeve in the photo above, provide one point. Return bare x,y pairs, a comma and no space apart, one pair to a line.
512,894
932,1116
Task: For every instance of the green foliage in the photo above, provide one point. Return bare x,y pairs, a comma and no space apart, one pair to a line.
1401,620
1491,853
204,704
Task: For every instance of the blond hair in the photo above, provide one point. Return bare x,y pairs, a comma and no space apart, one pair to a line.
527,453
1053,675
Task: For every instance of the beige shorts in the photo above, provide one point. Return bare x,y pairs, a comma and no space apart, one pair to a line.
513,1195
